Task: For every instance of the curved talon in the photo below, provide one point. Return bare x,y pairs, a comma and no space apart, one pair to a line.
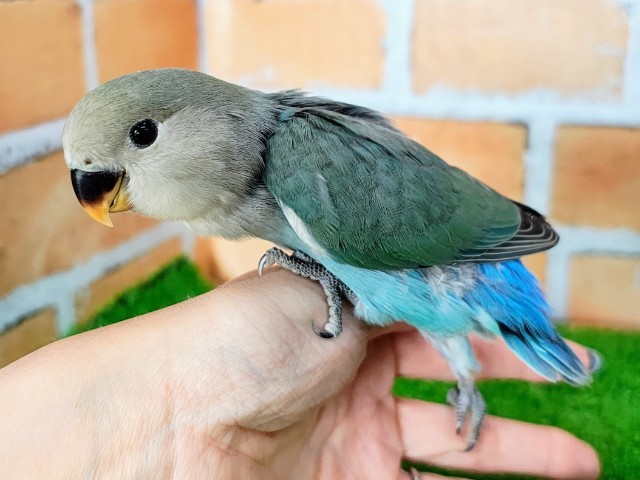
302,264
415,475
262,263
470,445
333,329
322,333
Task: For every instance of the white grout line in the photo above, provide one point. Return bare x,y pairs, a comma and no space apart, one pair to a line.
21,146
397,46
589,240
632,63
59,289
203,48
89,44
579,240
557,288
66,312
538,165
189,243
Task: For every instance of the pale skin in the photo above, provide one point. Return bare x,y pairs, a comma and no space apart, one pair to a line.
235,384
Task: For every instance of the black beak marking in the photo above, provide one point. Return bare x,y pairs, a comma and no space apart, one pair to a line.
90,187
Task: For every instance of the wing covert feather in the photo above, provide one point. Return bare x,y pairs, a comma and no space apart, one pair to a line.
373,198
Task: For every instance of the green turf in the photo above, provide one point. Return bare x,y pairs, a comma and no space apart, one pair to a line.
607,414
175,283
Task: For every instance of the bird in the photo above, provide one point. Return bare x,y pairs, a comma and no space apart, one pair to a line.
376,218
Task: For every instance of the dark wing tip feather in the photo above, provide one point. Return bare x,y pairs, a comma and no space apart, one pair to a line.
534,235
534,230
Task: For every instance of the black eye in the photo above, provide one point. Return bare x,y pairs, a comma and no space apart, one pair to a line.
144,133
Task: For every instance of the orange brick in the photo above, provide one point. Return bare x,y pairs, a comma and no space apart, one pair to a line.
491,152
43,229
222,260
290,43
105,289
134,35
42,74
571,46
605,291
28,335
597,177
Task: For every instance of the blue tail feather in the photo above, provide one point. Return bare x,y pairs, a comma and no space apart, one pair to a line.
510,294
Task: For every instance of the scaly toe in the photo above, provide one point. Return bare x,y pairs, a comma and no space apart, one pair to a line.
460,400
478,410
468,403
302,256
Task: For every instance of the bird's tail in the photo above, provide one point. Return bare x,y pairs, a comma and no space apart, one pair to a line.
510,294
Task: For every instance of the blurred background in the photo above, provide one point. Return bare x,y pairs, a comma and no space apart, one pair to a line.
538,98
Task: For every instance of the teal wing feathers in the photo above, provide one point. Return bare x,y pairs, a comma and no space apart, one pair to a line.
373,198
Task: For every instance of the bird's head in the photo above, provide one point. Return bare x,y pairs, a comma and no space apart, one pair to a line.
170,144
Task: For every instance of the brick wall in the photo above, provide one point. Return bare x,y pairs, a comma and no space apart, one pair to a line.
538,98
57,266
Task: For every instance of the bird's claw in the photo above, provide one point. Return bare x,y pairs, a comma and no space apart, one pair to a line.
302,264
267,260
263,263
468,400
330,330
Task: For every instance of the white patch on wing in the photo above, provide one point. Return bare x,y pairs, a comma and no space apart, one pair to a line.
302,231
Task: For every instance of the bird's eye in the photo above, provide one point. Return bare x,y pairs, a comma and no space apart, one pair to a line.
144,133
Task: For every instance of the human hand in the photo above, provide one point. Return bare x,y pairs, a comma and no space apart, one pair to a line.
314,408
235,384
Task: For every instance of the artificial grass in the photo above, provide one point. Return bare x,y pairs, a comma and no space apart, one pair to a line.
176,282
606,414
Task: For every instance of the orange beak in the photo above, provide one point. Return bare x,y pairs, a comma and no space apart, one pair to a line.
100,193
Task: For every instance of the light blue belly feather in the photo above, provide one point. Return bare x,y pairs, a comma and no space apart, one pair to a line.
407,295
502,299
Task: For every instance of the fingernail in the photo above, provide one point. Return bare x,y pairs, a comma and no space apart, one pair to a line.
595,360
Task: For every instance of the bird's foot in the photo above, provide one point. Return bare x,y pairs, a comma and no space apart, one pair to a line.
466,399
302,264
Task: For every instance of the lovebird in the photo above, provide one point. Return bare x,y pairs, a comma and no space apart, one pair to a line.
374,217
